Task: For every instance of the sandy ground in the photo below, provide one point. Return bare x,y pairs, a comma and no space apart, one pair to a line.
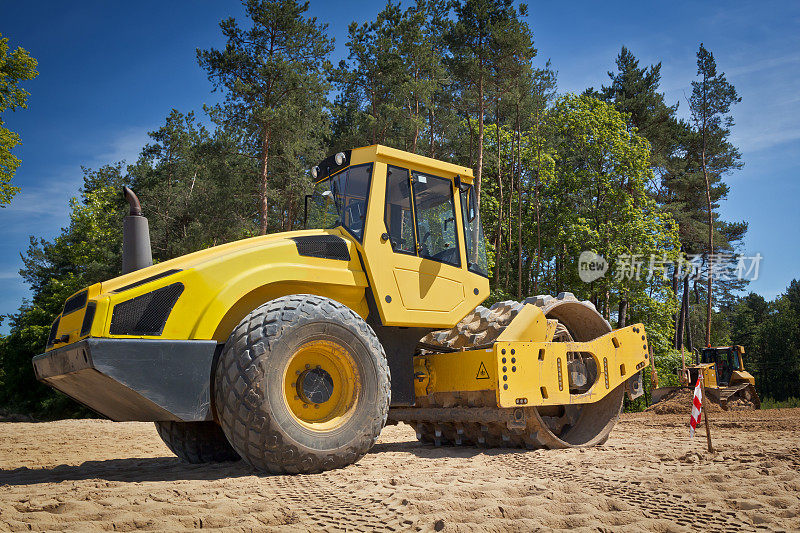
92,474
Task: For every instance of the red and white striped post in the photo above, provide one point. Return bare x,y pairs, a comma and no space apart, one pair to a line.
699,411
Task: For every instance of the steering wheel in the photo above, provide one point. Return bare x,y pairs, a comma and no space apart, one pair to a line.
423,246
447,255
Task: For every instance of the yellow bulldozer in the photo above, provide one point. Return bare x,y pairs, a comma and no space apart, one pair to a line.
725,380
293,350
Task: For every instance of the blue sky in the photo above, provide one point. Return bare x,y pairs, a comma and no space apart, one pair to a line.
111,71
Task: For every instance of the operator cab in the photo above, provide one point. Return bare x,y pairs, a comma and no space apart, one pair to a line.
420,213
726,360
413,217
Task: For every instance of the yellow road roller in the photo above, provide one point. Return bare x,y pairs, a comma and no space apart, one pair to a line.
293,350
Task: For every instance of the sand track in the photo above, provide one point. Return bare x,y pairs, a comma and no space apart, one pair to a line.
91,474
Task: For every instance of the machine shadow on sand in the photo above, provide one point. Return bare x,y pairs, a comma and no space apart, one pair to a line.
149,469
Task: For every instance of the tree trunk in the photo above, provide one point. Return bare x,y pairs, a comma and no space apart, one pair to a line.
415,118
263,203
677,311
536,185
479,170
527,279
710,213
710,241
623,313
290,214
680,328
431,150
498,250
471,138
686,319
510,210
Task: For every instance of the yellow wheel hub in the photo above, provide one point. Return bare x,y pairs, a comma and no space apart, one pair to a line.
321,385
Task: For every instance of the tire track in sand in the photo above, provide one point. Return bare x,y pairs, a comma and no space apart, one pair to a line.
659,504
332,506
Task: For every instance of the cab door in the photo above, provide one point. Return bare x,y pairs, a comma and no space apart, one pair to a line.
413,246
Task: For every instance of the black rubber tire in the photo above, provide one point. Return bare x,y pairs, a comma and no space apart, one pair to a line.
249,388
197,442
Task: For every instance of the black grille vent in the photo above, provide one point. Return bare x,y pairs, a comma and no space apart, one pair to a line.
88,318
148,280
74,303
146,314
324,246
53,331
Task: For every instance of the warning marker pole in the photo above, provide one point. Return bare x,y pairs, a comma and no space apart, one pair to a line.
704,412
684,378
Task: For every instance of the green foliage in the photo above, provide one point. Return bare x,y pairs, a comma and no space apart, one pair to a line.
634,92
393,80
770,334
15,67
196,188
597,201
789,403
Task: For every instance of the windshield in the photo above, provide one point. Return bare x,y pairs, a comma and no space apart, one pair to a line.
340,200
322,206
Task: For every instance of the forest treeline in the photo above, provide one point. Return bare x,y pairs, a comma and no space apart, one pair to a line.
613,170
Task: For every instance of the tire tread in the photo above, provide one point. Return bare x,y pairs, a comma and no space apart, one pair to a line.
239,393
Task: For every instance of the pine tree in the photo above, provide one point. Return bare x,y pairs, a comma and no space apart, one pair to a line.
710,104
274,74
634,91
475,42
195,187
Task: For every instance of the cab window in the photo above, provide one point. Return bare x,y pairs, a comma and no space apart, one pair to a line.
435,215
398,216
473,233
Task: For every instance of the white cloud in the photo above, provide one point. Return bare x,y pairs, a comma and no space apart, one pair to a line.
763,64
49,194
42,205
125,146
758,140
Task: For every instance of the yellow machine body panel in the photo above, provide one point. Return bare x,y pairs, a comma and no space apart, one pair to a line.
399,242
221,285
742,376
531,370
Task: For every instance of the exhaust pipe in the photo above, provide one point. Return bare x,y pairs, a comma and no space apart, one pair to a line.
136,252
